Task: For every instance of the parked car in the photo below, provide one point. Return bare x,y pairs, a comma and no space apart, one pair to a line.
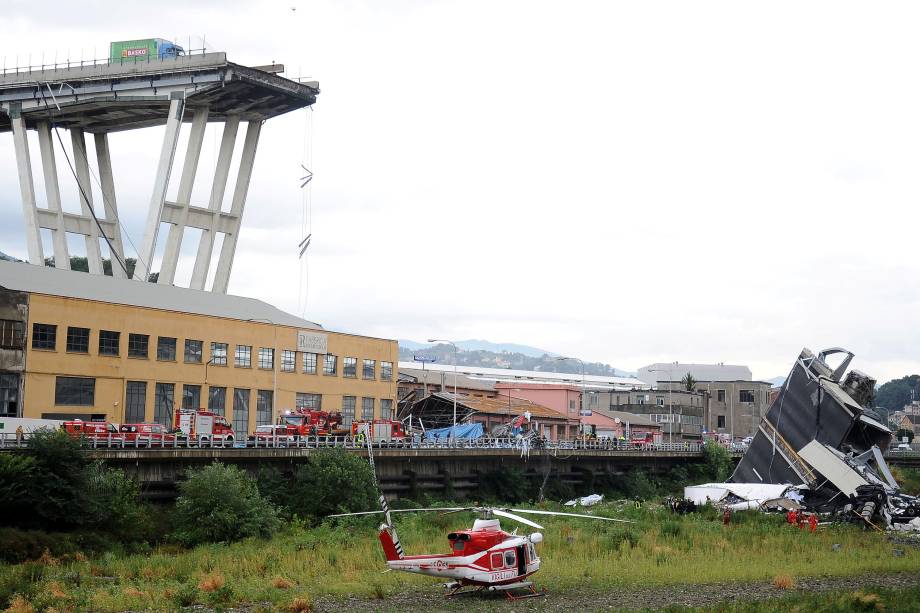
275,432
145,432
903,447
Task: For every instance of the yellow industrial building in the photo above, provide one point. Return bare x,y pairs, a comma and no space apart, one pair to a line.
75,345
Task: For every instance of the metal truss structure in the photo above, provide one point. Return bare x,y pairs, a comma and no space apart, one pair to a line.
109,97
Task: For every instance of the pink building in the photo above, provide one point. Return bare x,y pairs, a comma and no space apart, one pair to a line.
619,425
564,398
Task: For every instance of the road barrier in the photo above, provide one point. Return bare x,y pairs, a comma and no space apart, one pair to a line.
11,441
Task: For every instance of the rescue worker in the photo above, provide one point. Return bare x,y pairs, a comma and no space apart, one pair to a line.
813,523
19,434
726,516
791,517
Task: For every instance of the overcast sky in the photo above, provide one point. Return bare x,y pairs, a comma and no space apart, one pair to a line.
623,182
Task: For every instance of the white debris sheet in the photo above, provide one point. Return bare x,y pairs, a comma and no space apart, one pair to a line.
739,496
585,501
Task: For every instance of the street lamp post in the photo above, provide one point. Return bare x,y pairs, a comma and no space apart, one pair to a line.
561,359
453,430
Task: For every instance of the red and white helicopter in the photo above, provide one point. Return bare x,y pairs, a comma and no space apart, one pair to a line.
484,557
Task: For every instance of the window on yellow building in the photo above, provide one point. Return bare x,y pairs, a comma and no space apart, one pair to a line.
370,369
219,354
108,342
138,345
367,408
288,360
193,351
386,408
266,358
135,401
166,349
77,340
350,367
243,357
386,371
44,336
329,364
309,363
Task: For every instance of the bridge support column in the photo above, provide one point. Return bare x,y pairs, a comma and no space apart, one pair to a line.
142,269
218,187
228,249
53,194
85,194
107,180
186,183
26,188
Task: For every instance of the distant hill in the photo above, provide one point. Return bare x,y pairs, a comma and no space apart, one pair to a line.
481,345
502,355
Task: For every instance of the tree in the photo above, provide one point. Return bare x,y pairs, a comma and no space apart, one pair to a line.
689,382
58,487
17,481
332,481
717,462
897,393
221,503
904,432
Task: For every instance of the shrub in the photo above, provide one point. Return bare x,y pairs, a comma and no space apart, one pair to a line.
221,503
783,582
58,479
17,482
332,481
113,504
717,463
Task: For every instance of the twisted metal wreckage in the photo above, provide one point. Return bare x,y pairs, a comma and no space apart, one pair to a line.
822,445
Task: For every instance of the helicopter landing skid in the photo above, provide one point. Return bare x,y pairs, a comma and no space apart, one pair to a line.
531,591
456,589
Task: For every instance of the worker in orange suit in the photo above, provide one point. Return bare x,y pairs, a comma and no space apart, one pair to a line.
791,517
813,523
726,517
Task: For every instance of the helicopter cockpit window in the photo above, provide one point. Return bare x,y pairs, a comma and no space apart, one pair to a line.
509,558
533,553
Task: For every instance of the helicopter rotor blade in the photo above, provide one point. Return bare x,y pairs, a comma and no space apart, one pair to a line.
535,512
517,518
450,509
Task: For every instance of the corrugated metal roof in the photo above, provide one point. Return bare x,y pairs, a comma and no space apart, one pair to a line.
84,286
533,376
433,377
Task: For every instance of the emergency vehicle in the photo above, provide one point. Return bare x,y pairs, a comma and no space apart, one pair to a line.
312,422
144,432
379,430
202,424
90,429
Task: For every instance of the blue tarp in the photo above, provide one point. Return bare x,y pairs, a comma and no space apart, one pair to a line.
460,431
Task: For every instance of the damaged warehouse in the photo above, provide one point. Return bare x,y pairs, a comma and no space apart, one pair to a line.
822,439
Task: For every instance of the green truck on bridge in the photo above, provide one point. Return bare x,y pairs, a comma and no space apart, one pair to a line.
143,50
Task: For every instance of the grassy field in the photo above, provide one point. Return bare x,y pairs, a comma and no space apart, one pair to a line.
345,559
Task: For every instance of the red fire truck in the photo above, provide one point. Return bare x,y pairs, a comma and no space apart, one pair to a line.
312,422
380,430
203,424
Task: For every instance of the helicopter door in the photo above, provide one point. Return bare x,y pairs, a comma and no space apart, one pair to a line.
521,560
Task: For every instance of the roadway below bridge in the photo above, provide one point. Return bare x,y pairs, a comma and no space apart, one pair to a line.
406,472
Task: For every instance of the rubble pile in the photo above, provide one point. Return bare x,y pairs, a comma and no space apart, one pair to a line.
821,438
